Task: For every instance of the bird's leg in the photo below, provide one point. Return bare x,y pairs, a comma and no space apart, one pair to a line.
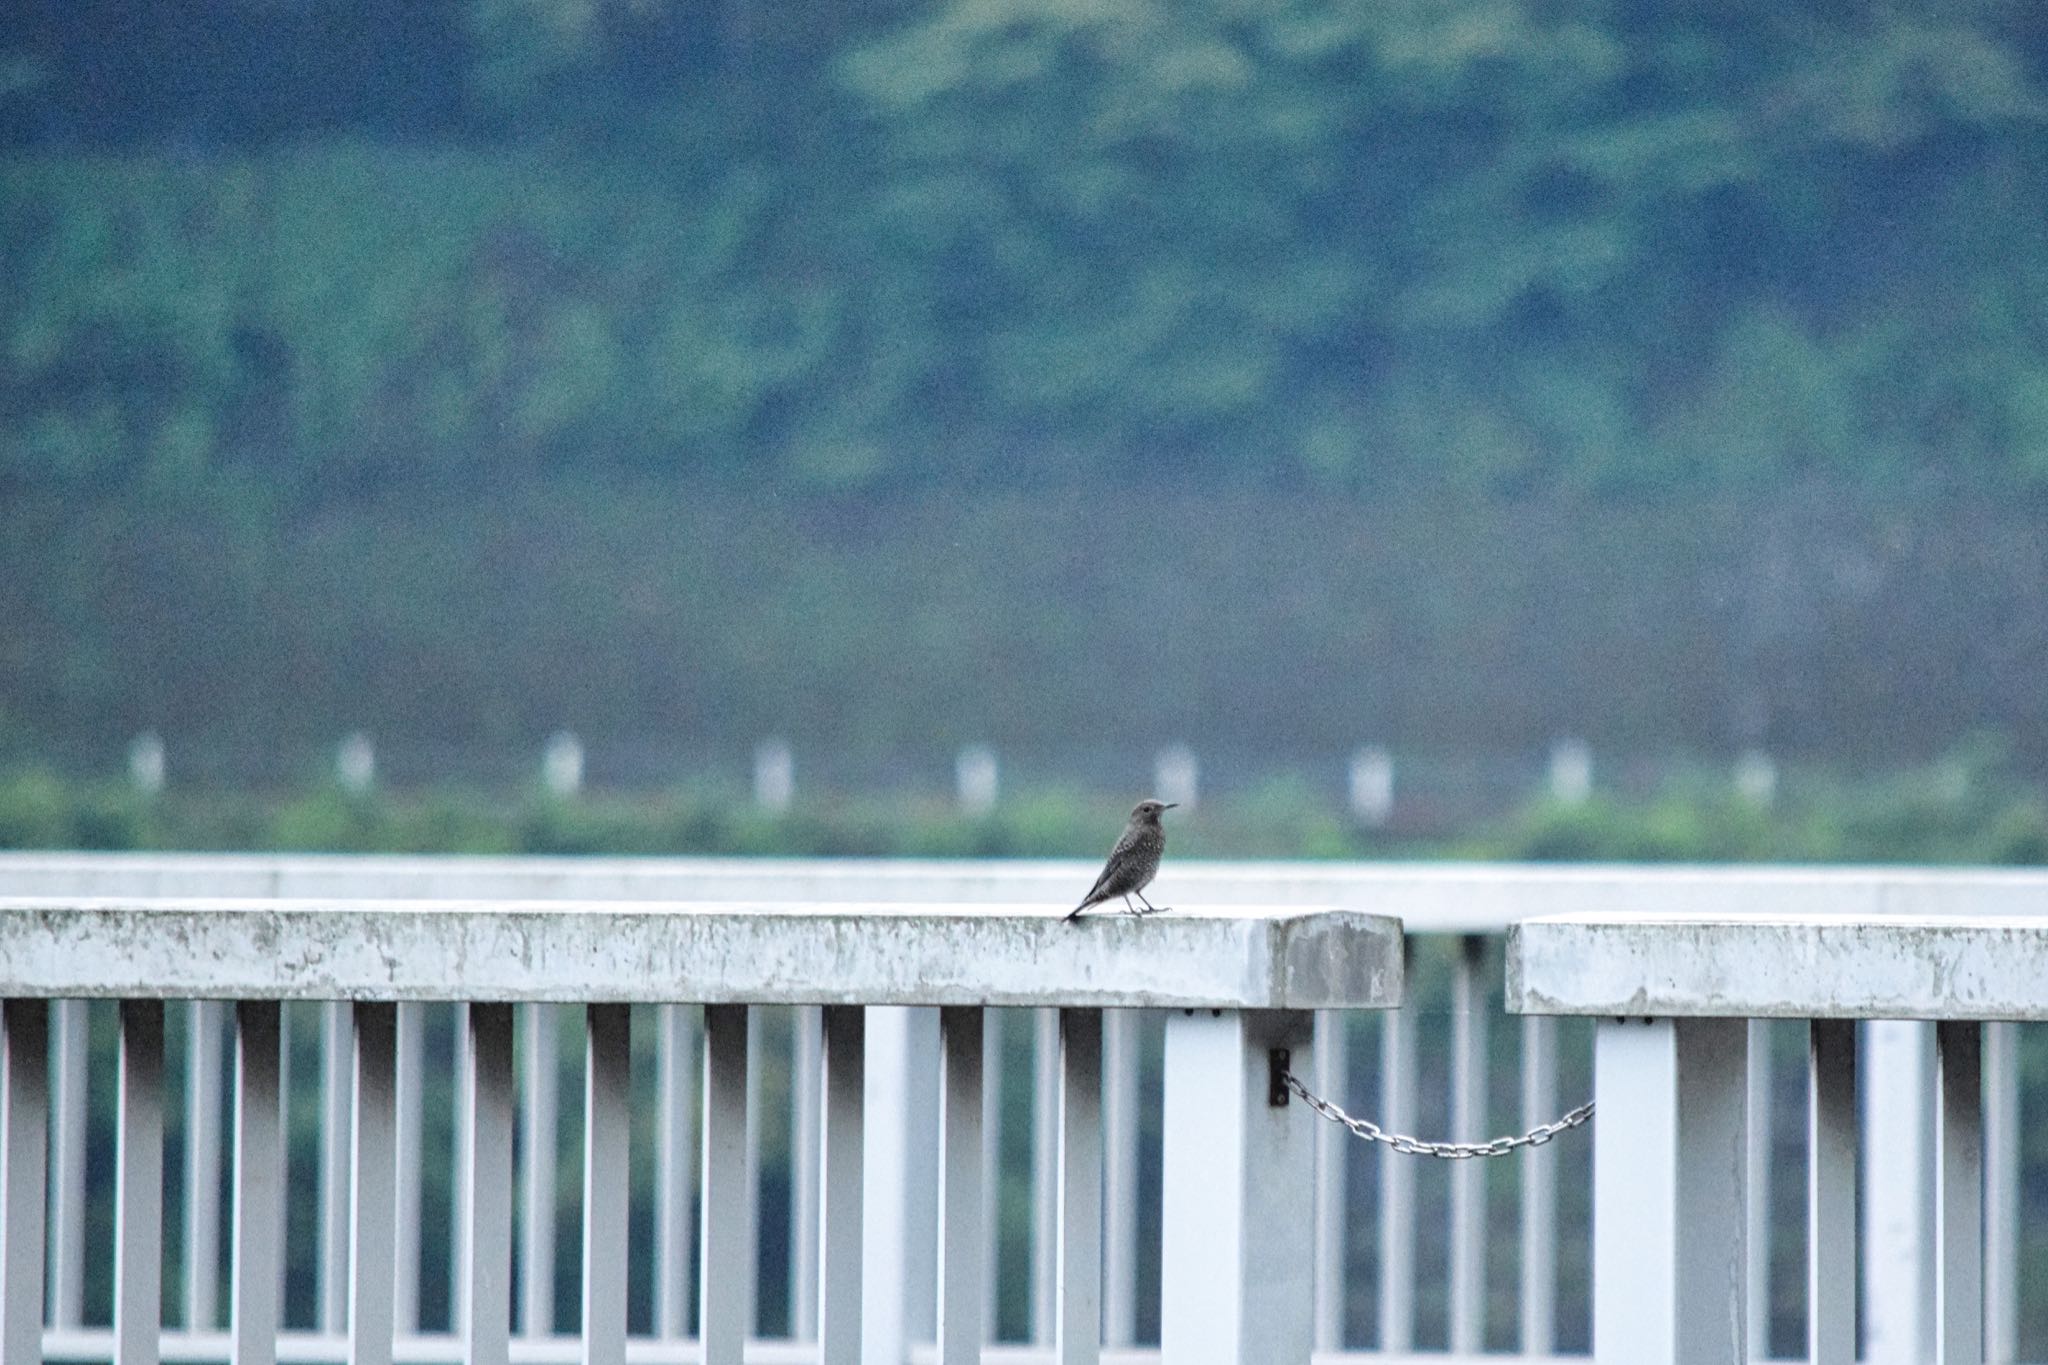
1130,909
1150,908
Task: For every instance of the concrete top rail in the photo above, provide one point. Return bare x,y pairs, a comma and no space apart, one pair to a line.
1813,966
1430,898
754,953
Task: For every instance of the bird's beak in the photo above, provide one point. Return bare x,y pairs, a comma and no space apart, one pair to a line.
1169,805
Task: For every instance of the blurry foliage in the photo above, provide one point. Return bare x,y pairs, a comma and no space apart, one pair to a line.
1969,807
1473,246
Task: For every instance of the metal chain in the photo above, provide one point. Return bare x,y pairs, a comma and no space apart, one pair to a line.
1449,1151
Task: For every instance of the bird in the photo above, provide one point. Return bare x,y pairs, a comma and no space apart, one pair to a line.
1133,863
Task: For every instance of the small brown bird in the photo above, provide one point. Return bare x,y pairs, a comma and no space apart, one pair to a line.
1133,863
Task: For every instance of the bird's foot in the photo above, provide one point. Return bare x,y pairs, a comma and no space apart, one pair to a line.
1155,910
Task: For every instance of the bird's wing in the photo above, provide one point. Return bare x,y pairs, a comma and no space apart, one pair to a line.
1123,846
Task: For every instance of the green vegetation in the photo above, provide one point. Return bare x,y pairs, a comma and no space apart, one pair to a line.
1967,808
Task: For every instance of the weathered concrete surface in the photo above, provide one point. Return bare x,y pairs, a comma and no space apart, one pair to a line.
1827,966
715,953
1429,898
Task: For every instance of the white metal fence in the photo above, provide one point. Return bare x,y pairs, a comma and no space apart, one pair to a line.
1411,1257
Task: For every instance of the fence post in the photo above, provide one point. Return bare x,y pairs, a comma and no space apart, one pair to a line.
774,775
1176,775
1670,1279
1237,1284
976,778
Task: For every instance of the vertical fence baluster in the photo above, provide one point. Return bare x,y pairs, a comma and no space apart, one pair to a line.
1538,1169
2001,1193
70,1021
1397,1179
254,1295
24,1154
458,1188
373,1147
1670,1278
1237,1241
1897,1194
1831,1192
1333,1068
991,1160
806,1070
139,1186
840,1155
1045,1158
1758,1214
540,1146
411,1094
961,1244
1120,1176
1468,1123
1959,1196
676,1068
722,1268
1078,1335
750,1221
607,1112
335,1034
202,1161
486,1172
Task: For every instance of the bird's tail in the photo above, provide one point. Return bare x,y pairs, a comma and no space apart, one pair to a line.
1075,913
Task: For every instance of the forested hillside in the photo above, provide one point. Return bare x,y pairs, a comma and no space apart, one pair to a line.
1676,373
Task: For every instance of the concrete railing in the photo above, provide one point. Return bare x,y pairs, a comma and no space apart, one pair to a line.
1674,995
1410,1259
1236,984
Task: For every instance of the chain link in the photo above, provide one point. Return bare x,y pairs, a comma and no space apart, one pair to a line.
1448,1151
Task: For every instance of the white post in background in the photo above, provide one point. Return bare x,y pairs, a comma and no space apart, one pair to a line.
147,765
774,775
1898,1192
1670,1273
1237,1280
1176,776
355,763
1372,786
1571,771
1756,777
976,779
561,764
